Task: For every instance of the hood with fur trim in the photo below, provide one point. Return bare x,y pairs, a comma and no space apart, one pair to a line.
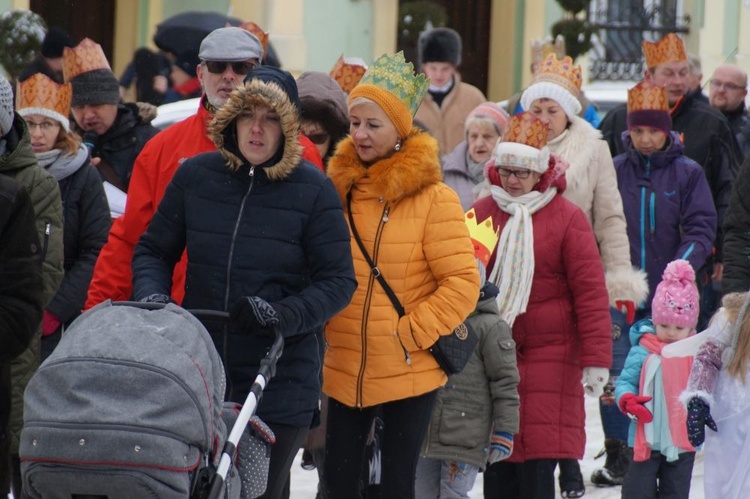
577,149
405,173
223,129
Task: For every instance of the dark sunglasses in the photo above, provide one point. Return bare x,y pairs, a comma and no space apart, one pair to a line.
240,68
318,138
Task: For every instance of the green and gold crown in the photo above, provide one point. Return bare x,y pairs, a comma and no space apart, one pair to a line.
396,76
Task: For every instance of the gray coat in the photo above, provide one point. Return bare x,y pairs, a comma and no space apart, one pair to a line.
480,399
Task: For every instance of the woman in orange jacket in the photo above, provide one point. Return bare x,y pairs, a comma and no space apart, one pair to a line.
411,225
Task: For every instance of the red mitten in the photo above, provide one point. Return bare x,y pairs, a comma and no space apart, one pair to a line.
627,307
632,405
50,323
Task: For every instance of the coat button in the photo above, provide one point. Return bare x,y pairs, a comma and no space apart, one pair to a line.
82,442
137,448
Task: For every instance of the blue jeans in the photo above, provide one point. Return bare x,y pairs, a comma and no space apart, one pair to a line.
443,479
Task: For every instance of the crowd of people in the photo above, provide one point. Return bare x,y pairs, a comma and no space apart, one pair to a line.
367,215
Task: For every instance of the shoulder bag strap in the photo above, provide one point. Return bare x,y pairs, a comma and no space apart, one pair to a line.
370,262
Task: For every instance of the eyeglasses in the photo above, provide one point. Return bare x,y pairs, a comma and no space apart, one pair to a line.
520,174
44,126
240,68
726,85
318,138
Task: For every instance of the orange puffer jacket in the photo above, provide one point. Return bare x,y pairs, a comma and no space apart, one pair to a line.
413,227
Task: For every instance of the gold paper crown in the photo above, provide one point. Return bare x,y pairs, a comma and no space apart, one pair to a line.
86,56
668,49
40,92
541,49
348,72
396,76
647,97
560,72
483,236
259,33
525,128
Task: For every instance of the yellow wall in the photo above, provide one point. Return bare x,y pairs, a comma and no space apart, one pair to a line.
21,4
385,23
125,36
502,41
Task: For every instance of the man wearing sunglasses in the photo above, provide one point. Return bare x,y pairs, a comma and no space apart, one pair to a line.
226,56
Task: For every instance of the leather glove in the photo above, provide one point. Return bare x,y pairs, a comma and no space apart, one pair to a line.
501,446
594,379
50,323
627,307
253,314
698,416
156,298
632,406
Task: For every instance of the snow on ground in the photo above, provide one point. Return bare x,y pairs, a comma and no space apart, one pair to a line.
304,483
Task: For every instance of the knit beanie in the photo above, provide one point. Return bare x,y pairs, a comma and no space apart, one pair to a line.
86,68
557,80
6,106
493,111
55,42
647,106
676,299
440,45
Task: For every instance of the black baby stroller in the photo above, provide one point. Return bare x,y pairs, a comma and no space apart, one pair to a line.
130,404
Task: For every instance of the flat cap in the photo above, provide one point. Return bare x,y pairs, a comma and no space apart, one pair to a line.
230,44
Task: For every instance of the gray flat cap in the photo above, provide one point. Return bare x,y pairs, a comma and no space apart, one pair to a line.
230,44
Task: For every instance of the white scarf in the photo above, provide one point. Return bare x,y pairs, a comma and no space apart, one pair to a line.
514,262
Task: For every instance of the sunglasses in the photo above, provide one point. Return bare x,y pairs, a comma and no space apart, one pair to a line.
240,68
318,138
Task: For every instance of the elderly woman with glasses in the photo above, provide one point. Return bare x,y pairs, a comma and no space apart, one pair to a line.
552,293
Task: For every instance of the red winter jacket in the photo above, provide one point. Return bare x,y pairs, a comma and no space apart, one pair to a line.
152,172
566,327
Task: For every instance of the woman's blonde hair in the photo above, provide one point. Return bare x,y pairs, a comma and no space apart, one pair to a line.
734,303
67,142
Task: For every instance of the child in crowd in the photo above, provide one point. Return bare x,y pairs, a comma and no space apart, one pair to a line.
718,384
649,387
476,412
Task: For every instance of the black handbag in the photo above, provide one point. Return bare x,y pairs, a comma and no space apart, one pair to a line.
451,351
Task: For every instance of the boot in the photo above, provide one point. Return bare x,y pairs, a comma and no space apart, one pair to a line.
616,464
570,479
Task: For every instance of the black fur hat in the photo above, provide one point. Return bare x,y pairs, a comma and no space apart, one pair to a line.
440,45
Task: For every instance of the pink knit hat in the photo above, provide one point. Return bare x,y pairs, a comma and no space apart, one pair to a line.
493,111
676,298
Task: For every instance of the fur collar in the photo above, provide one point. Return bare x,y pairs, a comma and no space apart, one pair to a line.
577,148
223,131
405,173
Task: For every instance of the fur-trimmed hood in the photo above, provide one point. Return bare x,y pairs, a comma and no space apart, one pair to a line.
577,147
405,173
223,129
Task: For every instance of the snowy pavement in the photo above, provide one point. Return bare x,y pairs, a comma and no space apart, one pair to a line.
304,483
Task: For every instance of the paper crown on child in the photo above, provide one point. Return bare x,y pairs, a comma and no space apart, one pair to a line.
258,32
524,144
676,299
390,82
541,49
348,71
647,106
669,49
483,236
38,94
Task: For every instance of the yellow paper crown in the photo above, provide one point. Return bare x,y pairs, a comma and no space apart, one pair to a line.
38,94
560,72
541,49
348,72
647,97
668,49
483,236
525,128
396,76
259,33
86,56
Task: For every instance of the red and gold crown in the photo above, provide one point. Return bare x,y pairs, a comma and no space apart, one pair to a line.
560,72
483,236
348,71
647,97
669,49
40,95
86,56
259,33
526,128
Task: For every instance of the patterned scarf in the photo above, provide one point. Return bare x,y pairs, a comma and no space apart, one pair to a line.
514,262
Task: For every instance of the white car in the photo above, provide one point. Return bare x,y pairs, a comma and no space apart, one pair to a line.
169,114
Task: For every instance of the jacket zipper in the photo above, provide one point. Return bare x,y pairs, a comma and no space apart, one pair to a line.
366,308
47,233
225,349
643,216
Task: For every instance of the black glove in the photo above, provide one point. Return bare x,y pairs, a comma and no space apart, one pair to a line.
698,416
254,315
156,298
